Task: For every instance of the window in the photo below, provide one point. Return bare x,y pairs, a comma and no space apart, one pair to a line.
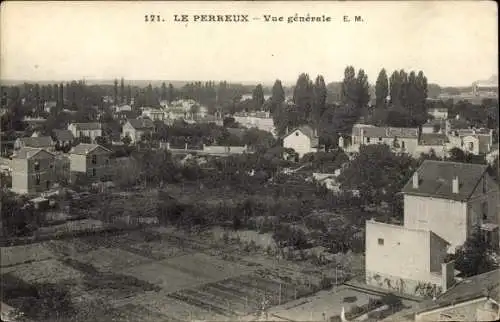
37,179
94,172
381,241
94,159
380,139
37,166
471,146
402,144
296,133
48,184
367,140
107,161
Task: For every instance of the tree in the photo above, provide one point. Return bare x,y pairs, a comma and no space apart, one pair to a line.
303,98
319,105
277,96
258,97
362,90
377,173
381,89
122,91
349,90
474,257
164,91
115,92
129,94
395,88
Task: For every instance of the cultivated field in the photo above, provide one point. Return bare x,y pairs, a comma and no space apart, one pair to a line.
150,275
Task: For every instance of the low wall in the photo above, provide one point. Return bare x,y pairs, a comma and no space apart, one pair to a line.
424,288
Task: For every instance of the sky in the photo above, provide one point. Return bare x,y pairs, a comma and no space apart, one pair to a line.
453,42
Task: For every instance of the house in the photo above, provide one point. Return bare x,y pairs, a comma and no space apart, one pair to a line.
474,141
439,113
32,170
443,203
473,299
123,116
136,128
49,105
436,142
260,120
64,138
302,140
91,130
92,160
154,114
389,266
401,140
42,142
436,126
449,199
164,103
122,108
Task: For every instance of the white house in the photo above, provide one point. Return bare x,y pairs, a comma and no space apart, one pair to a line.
302,140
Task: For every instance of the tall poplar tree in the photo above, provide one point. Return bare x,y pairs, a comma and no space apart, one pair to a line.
381,89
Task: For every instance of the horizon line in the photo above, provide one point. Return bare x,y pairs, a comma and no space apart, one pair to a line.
105,81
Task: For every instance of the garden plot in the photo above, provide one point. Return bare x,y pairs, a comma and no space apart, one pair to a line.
111,259
24,254
175,310
185,271
47,271
158,250
160,274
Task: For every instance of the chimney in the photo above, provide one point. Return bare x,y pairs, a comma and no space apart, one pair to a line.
455,185
415,180
286,130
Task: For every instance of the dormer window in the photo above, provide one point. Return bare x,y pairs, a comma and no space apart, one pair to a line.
296,133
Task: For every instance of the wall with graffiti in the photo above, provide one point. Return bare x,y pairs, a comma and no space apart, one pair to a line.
396,284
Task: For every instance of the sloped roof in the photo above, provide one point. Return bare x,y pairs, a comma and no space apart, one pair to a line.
37,142
141,124
391,132
466,290
435,180
307,131
84,148
87,126
433,139
63,135
27,153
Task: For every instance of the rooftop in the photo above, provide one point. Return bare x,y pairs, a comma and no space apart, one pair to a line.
84,148
141,123
37,142
469,289
63,135
27,153
87,126
433,139
435,180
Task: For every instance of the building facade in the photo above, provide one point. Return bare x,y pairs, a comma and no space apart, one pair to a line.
32,171
90,160
302,140
91,130
135,129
